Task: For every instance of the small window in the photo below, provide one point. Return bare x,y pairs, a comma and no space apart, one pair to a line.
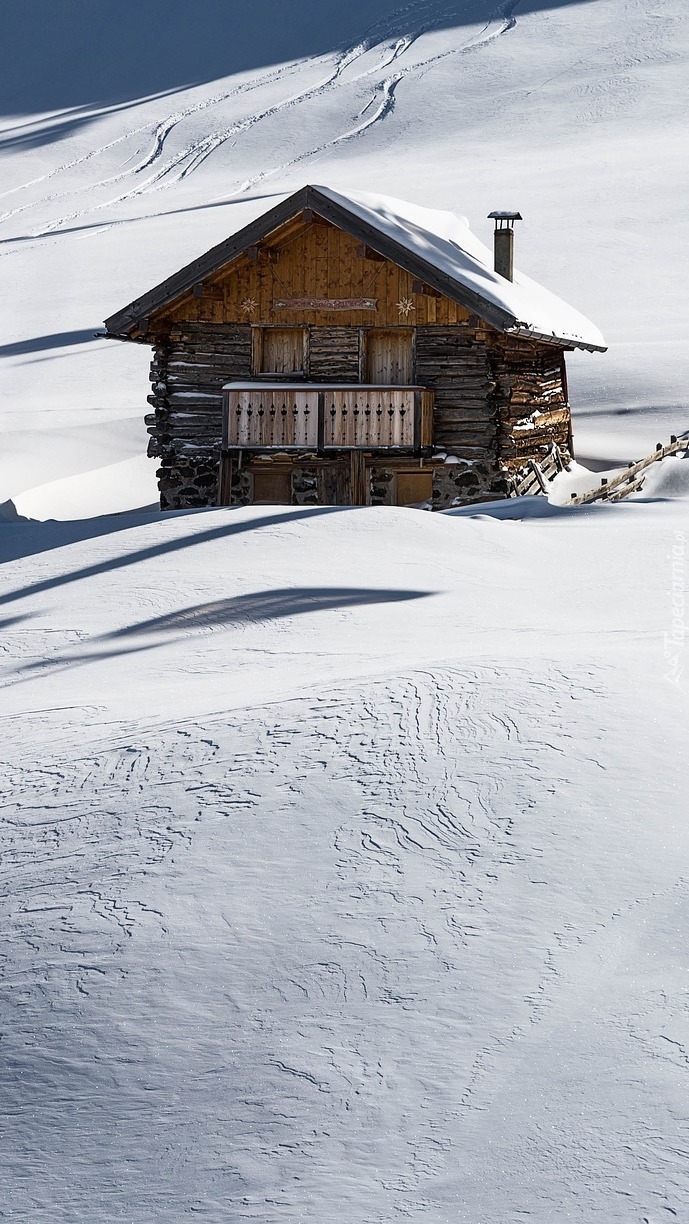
273,488
280,351
413,487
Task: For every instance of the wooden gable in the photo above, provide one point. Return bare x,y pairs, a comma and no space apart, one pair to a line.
310,272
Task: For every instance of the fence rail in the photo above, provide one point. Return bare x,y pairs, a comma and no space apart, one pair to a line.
536,475
629,481
320,418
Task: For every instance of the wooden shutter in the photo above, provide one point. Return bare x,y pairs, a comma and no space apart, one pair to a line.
389,360
283,350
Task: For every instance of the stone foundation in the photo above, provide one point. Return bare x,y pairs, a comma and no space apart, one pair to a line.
189,483
305,487
464,482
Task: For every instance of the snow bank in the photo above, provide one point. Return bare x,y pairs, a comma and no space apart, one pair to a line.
345,857
127,485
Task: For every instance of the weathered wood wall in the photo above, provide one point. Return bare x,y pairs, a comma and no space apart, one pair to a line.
454,362
318,261
333,354
498,401
188,372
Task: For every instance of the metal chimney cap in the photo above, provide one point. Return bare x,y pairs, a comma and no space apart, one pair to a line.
502,215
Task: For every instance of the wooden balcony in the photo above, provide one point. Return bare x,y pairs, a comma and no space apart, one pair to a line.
263,416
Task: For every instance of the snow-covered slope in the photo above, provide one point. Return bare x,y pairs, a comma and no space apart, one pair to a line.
346,868
144,158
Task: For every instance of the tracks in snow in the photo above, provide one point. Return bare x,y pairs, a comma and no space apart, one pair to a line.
327,940
155,168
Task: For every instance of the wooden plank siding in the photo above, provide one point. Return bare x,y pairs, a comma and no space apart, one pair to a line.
317,261
304,417
389,356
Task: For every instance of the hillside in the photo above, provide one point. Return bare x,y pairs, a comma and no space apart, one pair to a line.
345,850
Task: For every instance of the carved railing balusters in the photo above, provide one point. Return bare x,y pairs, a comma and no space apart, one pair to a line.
318,418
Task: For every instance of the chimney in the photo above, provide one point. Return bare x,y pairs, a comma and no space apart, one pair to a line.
503,242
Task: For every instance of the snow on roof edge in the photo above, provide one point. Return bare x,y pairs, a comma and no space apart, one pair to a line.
446,242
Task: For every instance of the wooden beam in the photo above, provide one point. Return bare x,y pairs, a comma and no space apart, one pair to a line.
262,255
425,290
362,251
211,293
313,218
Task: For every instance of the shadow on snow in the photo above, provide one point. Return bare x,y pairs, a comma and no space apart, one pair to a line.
63,534
62,57
240,610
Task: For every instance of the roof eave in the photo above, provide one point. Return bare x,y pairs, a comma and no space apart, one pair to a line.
126,319
531,333
411,262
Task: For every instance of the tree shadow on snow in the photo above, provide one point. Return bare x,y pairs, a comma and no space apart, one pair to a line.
227,202
235,611
44,536
264,606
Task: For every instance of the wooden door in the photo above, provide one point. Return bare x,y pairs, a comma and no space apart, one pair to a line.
282,351
272,488
389,358
411,488
334,485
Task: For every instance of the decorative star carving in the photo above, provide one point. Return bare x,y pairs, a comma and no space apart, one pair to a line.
405,307
249,306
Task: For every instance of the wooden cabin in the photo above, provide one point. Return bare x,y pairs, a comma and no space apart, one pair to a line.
353,351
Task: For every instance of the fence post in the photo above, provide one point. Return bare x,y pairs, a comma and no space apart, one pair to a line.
417,422
321,422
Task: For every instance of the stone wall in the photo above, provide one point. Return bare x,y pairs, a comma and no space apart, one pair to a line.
464,482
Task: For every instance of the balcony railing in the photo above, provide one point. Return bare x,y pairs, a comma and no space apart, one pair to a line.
296,416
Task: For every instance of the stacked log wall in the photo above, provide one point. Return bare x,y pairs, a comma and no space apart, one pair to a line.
454,362
498,402
188,371
531,394
334,354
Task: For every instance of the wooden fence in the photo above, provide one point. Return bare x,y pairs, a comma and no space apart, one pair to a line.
629,481
535,476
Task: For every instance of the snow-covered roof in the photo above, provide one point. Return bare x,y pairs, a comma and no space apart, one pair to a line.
435,246
446,242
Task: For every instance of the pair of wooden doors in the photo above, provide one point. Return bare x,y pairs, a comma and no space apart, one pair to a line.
338,484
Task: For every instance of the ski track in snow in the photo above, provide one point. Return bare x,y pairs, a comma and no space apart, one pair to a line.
191,156
182,1034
